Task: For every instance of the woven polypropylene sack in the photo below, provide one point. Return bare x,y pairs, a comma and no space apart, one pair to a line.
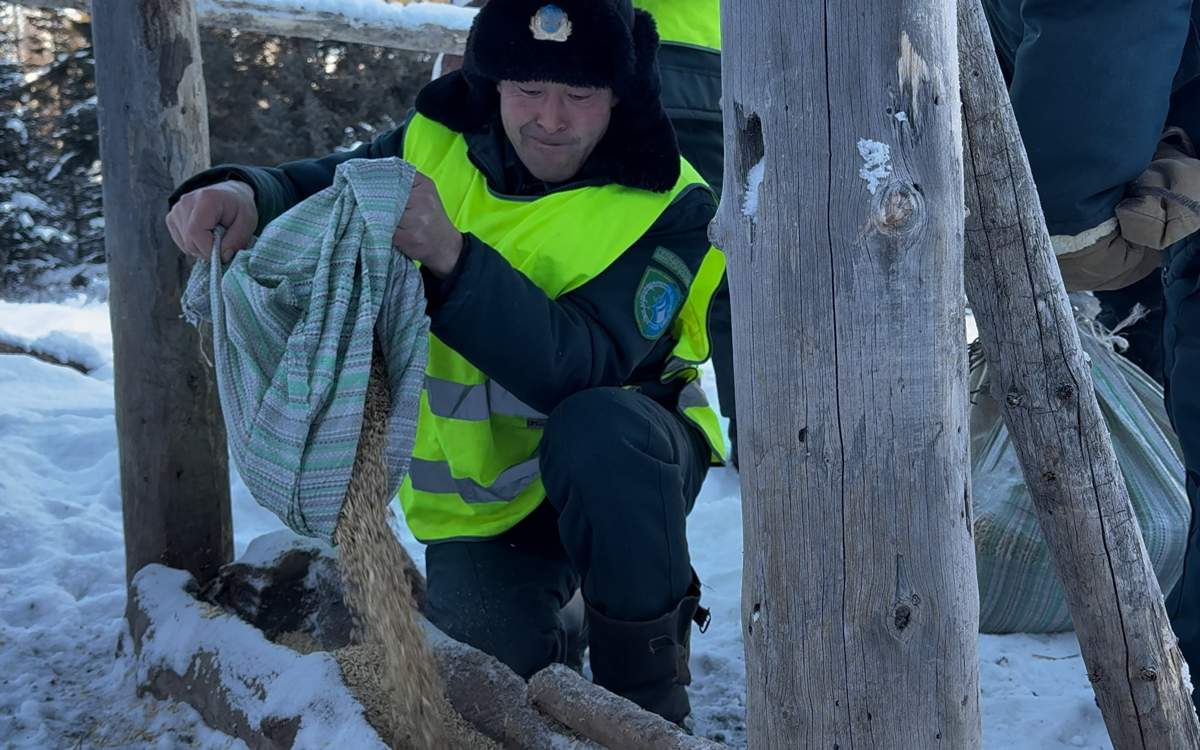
1019,590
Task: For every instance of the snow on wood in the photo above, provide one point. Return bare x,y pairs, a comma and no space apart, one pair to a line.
754,182
420,26
267,695
56,348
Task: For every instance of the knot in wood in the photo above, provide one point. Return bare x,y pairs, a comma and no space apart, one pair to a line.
1065,391
1049,476
898,210
1148,674
902,616
1014,398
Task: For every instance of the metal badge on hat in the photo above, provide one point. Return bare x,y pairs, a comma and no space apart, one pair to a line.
550,24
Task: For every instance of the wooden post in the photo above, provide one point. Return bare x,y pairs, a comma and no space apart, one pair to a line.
860,607
1041,379
153,134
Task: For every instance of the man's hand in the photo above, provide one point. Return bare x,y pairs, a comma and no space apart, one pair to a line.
425,233
229,204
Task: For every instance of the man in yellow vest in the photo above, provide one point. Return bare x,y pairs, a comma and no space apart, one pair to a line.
689,60
562,437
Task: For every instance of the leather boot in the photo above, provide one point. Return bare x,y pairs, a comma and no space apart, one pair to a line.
647,662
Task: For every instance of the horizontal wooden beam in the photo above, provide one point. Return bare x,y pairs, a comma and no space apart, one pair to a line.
419,26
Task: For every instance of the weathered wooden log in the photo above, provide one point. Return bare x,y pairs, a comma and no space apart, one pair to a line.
418,26
153,135
614,722
1041,379
494,698
841,218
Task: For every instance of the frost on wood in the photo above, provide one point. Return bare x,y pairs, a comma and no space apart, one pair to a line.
877,163
753,184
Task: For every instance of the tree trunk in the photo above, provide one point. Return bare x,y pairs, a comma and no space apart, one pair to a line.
859,593
153,134
1041,379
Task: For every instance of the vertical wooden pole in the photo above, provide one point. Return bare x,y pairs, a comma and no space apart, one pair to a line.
153,134
859,589
1041,379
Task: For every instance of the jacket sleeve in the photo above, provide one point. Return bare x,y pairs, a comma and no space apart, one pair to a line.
276,189
1091,87
543,350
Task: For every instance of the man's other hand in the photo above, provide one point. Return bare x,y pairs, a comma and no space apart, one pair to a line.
229,204
425,233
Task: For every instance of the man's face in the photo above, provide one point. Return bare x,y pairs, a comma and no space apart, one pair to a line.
554,127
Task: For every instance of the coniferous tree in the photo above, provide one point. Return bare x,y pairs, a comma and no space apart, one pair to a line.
51,231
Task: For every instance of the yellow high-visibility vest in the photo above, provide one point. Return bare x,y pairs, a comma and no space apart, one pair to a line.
696,23
475,470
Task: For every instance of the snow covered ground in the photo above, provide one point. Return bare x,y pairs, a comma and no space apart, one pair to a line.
66,681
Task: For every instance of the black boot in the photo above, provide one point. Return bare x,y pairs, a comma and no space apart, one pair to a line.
647,662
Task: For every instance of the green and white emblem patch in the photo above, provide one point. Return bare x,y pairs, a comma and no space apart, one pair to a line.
658,298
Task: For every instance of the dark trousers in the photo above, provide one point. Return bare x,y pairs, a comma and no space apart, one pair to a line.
621,474
1181,370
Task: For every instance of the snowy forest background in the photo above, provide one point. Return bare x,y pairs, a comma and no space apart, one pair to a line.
270,99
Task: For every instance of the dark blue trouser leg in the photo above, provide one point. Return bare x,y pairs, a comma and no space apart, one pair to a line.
623,473
504,595
1181,357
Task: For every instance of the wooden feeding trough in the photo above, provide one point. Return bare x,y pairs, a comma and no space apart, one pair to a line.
263,653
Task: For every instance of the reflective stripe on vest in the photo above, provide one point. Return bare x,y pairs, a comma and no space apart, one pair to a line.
435,477
696,23
475,469
474,403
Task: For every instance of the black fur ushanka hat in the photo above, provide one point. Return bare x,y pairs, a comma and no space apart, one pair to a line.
576,42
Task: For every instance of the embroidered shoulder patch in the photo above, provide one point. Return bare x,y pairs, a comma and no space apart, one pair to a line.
658,298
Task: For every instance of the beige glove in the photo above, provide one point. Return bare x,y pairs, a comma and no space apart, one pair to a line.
1163,207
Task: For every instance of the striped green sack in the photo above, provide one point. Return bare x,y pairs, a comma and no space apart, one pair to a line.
294,321
1019,590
